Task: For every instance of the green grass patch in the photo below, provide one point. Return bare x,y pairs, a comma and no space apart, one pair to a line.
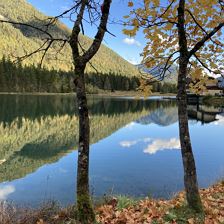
125,202
183,214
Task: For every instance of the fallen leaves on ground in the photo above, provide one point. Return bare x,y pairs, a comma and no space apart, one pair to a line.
147,211
150,211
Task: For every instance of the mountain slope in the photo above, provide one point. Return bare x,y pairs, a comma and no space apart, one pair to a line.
170,76
221,82
18,40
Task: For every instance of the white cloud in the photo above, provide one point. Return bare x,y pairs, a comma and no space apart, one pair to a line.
61,170
131,41
147,140
128,144
161,144
220,120
130,125
5,191
155,144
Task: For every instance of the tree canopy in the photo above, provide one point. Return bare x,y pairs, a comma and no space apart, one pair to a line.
158,20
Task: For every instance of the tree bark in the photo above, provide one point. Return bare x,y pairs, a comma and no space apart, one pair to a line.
190,175
84,205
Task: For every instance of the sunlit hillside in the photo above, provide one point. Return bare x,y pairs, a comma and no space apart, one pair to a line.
19,40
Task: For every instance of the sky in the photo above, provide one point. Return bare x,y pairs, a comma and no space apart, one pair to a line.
128,48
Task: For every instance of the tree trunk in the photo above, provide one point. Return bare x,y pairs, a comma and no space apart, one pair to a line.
190,175
85,209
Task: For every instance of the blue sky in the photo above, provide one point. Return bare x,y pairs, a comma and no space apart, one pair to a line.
128,48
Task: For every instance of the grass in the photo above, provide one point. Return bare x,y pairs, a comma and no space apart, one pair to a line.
125,202
49,212
118,201
183,215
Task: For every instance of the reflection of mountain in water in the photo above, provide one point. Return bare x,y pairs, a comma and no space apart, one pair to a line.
163,116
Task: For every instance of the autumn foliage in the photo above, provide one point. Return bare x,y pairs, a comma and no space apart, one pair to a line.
150,211
158,21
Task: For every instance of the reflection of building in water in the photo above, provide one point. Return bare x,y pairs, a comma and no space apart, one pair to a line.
203,113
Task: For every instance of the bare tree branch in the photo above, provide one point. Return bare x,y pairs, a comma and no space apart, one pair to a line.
100,33
199,44
197,23
205,66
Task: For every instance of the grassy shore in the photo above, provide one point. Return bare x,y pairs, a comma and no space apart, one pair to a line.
122,210
102,93
131,94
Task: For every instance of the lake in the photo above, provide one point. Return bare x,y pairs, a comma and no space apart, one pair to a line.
135,147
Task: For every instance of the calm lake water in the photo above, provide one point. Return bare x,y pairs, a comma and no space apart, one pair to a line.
135,147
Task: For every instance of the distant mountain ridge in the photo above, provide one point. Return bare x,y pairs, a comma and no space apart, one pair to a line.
18,40
170,76
221,82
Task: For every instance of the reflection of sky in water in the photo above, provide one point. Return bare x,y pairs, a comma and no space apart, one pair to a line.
155,144
128,171
220,119
139,159
5,191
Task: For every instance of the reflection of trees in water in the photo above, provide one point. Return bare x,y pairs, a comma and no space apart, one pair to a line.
36,130
40,131
28,144
32,107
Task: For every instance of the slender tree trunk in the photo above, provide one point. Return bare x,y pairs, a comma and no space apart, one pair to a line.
85,210
190,175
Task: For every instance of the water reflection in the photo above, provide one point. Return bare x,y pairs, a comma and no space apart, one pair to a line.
162,115
205,114
219,119
162,144
5,191
38,141
154,145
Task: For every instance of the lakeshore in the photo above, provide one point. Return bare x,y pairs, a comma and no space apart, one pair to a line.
121,209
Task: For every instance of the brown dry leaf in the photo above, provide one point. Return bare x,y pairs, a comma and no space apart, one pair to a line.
191,221
221,219
40,221
147,210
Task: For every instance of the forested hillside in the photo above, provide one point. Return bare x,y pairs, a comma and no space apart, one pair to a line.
18,78
18,40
